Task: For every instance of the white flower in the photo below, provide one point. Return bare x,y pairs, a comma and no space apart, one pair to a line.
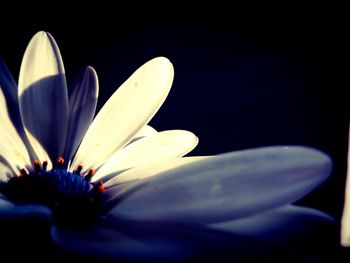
123,174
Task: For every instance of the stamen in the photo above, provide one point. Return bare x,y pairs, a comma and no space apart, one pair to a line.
100,187
78,170
37,167
89,175
23,172
59,162
44,165
72,195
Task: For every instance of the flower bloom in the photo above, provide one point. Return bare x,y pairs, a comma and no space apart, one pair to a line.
114,174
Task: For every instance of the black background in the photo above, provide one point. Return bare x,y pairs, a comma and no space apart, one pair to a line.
243,79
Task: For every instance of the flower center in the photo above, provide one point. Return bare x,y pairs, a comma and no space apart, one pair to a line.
71,195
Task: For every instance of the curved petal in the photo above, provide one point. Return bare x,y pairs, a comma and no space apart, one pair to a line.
10,96
130,108
12,149
150,169
82,106
158,147
289,226
10,210
145,131
42,94
227,186
345,221
139,241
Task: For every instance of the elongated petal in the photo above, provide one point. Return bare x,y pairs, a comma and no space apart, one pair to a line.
10,210
151,169
157,147
345,221
145,131
125,113
82,106
10,101
228,186
139,241
43,96
289,226
12,149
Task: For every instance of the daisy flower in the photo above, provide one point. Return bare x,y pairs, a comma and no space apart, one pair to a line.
114,186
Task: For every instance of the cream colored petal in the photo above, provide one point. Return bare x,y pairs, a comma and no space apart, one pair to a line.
125,113
158,147
345,221
12,149
145,131
82,106
152,169
43,98
5,171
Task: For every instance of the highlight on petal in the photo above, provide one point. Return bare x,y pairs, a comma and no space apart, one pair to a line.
289,226
42,92
131,107
12,149
158,147
151,169
82,106
227,186
345,221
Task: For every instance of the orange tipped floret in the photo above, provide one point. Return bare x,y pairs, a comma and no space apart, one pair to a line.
78,170
23,172
44,165
89,175
100,187
59,162
37,167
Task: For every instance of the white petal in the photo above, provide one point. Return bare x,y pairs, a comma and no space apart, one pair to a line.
345,221
125,113
43,96
12,149
288,226
82,106
145,131
158,147
10,92
228,186
5,171
151,169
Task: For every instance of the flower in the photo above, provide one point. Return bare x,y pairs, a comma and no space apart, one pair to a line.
345,221
116,187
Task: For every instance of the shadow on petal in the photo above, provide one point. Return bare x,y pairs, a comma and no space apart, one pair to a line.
137,241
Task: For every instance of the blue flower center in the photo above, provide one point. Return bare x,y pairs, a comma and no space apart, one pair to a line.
71,195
